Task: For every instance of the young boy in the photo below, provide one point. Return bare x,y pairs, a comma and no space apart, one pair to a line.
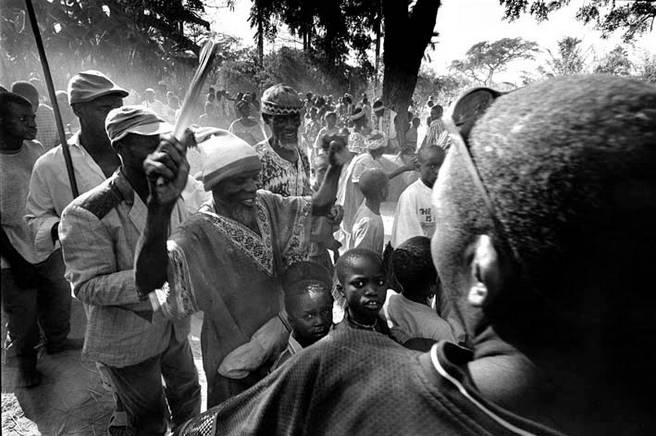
308,307
362,286
409,315
368,230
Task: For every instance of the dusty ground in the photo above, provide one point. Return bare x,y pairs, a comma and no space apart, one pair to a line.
72,400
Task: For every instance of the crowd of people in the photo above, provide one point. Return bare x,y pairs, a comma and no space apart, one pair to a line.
508,299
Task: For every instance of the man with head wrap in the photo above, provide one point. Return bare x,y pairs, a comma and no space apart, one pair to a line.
285,170
226,259
99,233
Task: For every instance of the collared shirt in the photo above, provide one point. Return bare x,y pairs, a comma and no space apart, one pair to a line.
50,189
99,233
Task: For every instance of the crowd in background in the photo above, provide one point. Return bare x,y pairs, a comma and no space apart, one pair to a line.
267,216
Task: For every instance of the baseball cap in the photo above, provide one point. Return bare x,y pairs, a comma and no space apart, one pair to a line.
134,119
90,85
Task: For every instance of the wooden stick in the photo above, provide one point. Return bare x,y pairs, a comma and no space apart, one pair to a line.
53,97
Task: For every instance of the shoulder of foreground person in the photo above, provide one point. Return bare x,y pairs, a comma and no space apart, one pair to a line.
359,382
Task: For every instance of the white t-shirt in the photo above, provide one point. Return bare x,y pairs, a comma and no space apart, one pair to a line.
414,215
408,319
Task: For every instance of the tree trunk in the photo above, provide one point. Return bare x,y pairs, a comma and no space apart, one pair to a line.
406,37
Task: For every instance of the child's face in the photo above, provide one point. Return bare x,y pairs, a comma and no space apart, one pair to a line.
364,288
310,315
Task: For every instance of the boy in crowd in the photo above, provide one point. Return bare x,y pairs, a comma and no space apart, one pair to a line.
410,315
414,212
362,287
368,230
34,291
308,307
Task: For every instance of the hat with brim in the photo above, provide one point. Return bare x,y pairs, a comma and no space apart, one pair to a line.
90,85
138,120
378,106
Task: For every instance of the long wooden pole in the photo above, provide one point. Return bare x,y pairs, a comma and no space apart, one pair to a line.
53,97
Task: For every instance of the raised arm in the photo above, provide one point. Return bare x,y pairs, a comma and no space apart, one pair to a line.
325,197
167,170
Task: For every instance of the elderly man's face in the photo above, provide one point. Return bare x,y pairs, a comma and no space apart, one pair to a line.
238,190
285,129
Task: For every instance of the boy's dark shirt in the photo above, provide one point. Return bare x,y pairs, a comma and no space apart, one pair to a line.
358,382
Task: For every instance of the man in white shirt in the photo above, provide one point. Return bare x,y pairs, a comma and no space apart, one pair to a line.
91,95
414,215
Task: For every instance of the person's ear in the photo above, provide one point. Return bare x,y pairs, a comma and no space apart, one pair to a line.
486,273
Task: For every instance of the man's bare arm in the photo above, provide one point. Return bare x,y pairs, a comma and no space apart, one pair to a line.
167,170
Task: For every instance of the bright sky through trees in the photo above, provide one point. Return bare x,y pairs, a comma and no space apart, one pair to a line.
461,24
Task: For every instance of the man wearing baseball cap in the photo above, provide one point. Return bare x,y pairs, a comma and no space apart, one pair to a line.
91,96
99,233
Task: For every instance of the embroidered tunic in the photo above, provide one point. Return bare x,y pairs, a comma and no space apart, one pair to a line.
282,177
231,273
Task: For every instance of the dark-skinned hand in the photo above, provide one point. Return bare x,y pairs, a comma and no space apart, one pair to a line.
167,169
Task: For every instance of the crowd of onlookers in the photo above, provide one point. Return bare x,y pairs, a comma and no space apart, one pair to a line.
266,215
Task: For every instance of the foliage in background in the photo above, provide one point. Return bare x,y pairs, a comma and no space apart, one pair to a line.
484,58
149,38
615,62
569,59
633,18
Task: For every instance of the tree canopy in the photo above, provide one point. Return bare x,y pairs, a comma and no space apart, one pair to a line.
154,36
484,58
632,18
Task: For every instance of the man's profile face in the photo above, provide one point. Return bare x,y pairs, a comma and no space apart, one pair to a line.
20,122
284,129
239,190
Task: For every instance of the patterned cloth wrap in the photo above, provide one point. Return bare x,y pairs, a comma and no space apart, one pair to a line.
281,100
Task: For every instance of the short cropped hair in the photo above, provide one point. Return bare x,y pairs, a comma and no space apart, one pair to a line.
570,165
305,273
347,260
372,182
413,266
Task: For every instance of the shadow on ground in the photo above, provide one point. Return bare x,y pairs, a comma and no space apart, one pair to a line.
71,400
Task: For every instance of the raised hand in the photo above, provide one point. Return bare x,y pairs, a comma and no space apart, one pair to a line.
167,169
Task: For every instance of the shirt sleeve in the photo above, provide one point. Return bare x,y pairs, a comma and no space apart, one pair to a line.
91,261
41,213
406,224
